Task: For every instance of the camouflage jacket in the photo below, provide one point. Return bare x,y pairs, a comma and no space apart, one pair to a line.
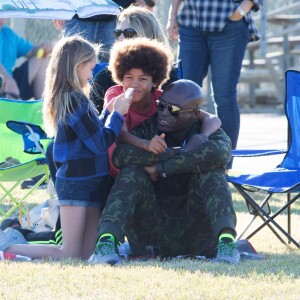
214,154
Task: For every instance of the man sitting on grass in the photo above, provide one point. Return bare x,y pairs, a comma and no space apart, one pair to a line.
178,201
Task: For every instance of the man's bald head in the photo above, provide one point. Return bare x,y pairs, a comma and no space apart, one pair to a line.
184,93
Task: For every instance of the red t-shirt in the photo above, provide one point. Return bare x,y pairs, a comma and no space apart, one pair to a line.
133,118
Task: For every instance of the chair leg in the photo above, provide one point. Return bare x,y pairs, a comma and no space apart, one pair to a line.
278,212
266,221
271,219
267,218
16,203
253,210
246,228
289,224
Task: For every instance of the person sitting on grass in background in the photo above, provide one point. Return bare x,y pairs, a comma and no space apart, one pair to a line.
177,201
81,141
26,81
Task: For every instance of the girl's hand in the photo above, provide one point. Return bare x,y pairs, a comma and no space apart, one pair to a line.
110,105
157,144
121,104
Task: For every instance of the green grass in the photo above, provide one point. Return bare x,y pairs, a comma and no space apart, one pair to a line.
275,277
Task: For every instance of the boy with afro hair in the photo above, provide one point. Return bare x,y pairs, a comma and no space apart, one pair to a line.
144,65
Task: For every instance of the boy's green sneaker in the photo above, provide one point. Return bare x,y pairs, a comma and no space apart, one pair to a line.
228,252
105,252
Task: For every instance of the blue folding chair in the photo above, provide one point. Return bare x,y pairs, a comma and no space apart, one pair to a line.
285,178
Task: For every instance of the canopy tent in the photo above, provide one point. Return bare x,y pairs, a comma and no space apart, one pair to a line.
56,9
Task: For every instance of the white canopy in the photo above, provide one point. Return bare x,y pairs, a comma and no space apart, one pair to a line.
56,9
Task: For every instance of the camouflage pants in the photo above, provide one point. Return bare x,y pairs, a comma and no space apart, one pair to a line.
181,214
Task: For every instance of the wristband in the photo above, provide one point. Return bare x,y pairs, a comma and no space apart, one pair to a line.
241,11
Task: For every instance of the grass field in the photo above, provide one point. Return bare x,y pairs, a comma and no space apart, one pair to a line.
275,277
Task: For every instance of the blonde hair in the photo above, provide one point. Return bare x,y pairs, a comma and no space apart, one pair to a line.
62,79
144,23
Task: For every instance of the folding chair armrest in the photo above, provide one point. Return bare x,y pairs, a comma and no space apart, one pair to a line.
31,133
256,152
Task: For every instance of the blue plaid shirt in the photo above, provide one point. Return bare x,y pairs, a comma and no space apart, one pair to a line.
212,15
81,146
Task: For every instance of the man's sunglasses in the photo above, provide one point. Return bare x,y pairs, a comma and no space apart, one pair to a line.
128,33
173,109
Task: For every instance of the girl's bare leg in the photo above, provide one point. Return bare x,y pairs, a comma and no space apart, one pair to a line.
73,222
91,231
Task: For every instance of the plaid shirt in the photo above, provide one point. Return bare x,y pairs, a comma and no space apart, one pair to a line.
81,146
212,15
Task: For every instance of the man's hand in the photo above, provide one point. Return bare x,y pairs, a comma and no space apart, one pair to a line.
153,172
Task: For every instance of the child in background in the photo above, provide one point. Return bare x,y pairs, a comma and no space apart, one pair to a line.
80,150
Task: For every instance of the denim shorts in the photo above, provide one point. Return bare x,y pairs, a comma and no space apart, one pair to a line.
91,192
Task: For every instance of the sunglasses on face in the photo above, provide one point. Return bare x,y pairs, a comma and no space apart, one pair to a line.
173,109
128,33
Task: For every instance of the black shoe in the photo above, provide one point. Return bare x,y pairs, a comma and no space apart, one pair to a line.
27,184
14,223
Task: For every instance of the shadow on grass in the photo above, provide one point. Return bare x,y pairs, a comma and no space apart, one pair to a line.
273,264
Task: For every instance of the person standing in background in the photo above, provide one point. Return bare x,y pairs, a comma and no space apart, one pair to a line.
215,33
99,28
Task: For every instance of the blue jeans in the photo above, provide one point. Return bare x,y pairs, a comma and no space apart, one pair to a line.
90,192
223,52
95,31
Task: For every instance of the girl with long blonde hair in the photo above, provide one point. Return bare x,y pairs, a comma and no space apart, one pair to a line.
81,140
